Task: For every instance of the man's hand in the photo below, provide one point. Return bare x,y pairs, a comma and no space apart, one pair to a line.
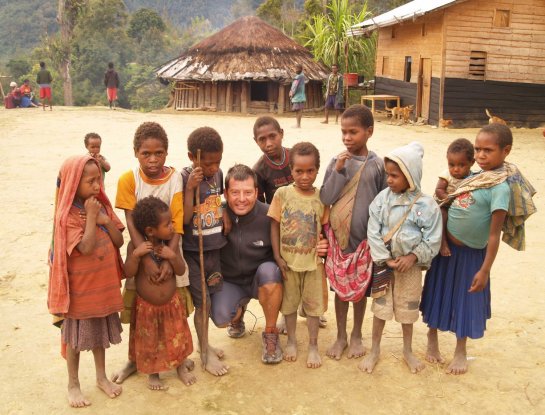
322,246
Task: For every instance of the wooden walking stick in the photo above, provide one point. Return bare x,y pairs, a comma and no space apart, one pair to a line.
204,333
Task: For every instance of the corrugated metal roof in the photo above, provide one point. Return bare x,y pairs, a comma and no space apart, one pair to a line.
411,10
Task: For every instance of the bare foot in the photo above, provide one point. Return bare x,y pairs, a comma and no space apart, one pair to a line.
76,398
155,384
415,365
218,352
214,364
113,390
458,366
281,326
369,362
290,352
324,122
314,360
432,353
184,372
336,351
356,348
127,370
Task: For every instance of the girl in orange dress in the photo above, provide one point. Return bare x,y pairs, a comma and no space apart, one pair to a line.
85,271
160,339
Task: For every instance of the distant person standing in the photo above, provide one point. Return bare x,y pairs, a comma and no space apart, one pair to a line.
334,94
44,79
111,82
297,93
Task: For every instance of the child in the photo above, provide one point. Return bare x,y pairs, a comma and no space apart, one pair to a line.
404,233
151,178
85,272
93,142
351,182
298,216
456,295
460,158
160,338
272,168
207,176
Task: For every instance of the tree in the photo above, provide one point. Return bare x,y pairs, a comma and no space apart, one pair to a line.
330,42
68,12
271,12
143,21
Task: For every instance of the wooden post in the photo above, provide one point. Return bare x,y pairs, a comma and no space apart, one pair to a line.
244,98
281,98
200,101
228,97
214,100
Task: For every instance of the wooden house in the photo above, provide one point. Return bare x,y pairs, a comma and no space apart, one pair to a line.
246,67
453,59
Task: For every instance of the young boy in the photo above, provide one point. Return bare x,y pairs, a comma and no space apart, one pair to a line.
273,167
44,79
207,176
404,233
351,182
298,216
151,178
273,171
93,142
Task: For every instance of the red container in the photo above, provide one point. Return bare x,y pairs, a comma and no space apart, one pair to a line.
350,79
8,102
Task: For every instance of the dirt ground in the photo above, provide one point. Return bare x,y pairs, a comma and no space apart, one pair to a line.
507,366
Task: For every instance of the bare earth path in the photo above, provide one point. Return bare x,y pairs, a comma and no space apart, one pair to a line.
507,367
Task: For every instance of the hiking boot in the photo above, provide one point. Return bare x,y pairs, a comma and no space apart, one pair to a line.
272,352
236,330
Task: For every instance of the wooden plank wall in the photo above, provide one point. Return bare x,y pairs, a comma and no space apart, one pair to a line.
514,54
520,104
409,41
434,101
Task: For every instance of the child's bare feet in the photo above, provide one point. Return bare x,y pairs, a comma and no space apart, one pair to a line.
290,351
184,372
336,351
127,370
458,366
76,398
415,365
113,390
356,348
155,384
370,361
218,352
445,250
432,353
213,362
314,360
281,325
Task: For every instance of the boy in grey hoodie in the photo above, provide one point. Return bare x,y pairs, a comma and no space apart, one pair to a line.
404,233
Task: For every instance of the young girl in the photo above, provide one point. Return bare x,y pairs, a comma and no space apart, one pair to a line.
160,338
460,159
456,295
85,271
351,182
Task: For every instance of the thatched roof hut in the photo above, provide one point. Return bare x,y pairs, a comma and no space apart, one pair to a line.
247,66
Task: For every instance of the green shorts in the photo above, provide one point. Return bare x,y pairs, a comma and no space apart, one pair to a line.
308,288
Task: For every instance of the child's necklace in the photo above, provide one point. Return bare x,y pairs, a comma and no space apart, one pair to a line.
155,258
282,159
214,190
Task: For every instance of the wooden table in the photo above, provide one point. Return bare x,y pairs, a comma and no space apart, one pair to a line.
374,98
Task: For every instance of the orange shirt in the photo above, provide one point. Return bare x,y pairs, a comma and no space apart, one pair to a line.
94,280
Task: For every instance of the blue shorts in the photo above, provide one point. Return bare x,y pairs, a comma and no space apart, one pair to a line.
225,303
331,102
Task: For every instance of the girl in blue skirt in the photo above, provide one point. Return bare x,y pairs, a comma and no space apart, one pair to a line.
456,294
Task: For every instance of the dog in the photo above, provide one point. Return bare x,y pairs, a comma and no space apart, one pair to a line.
445,123
493,119
401,113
